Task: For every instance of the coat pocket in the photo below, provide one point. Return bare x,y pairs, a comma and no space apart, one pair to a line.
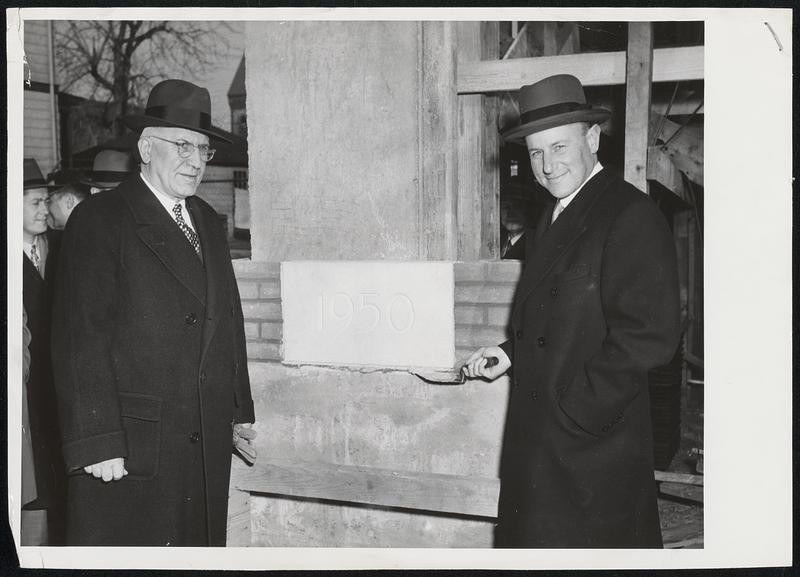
574,272
141,419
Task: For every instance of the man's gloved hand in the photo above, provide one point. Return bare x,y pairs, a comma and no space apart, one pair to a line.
243,435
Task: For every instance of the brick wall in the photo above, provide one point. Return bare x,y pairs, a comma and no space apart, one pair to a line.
484,292
260,291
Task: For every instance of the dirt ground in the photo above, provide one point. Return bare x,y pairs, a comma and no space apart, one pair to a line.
681,506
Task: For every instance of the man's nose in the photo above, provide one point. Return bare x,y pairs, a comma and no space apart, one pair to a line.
195,159
547,163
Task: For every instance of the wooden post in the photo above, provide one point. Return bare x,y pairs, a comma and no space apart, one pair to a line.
478,171
437,126
490,187
639,75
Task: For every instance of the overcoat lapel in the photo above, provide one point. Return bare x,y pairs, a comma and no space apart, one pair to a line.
215,256
30,275
160,233
557,237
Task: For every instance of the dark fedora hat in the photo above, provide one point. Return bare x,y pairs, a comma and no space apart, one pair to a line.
178,104
551,102
32,176
110,167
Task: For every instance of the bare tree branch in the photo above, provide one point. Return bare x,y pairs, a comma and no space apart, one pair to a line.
118,61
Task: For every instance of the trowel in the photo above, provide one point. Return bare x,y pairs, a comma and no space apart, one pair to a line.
451,377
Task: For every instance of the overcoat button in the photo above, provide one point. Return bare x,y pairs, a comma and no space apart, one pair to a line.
519,335
235,368
553,292
190,319
535,395
541,342
605,428
194,437
202,376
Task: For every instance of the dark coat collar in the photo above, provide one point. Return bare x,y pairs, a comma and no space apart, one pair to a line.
207,280
552,240
160,233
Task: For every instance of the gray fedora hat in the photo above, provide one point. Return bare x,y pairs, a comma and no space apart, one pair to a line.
551,102
32,176
110,167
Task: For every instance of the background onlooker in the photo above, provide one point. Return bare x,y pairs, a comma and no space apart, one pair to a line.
40,247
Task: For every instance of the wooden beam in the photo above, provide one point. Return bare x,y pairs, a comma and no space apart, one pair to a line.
438,111
593,69
683,144
683,107
639,86
662,170
519,46
682,478
490,150
454,494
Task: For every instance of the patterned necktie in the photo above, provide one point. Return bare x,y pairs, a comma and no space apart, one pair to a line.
190,234
35,259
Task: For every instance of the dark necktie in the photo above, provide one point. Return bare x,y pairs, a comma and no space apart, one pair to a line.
190,234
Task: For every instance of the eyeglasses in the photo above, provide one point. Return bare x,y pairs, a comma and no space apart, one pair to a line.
186,149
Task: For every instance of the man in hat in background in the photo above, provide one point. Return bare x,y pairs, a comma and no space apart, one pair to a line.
596,307
149,344
109,169
63,201
517,221
42,518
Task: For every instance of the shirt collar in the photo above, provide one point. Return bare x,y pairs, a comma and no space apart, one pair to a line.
166,201
567,199
38,240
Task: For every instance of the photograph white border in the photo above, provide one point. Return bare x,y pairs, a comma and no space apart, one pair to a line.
748,304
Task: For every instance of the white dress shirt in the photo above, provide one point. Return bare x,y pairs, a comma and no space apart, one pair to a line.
564,202
168,203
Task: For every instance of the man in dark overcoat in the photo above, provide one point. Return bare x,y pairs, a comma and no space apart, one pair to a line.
148,344
40,257
596,307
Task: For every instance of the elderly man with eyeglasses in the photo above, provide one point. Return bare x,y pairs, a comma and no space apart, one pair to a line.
148,344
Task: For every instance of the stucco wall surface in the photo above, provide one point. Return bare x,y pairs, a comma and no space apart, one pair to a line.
333,139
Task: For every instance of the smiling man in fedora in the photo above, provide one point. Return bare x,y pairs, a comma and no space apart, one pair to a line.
148,342
43,518
596,307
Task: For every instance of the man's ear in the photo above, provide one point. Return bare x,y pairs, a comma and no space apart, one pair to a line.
144,145
71,201
593,138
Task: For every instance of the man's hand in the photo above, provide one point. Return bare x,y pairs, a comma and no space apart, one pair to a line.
243,435
112,469
475,366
